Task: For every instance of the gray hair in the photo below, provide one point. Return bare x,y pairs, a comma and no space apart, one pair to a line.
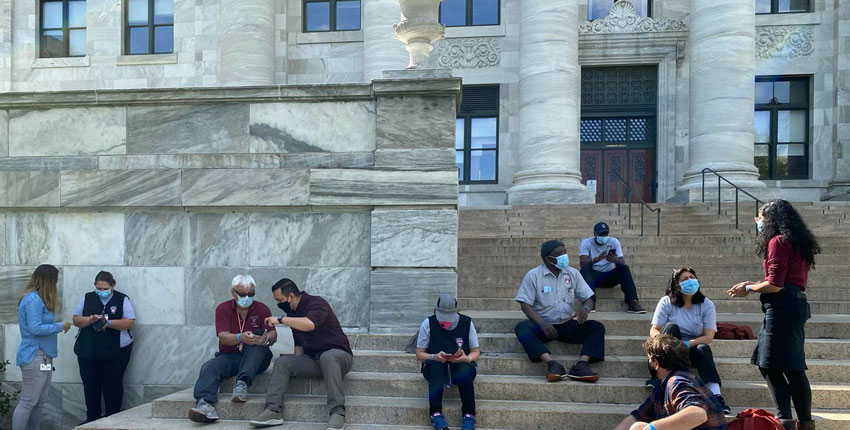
243,280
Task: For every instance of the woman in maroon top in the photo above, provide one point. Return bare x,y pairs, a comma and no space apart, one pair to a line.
788,249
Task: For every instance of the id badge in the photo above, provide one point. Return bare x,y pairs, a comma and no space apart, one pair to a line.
46,367
547,289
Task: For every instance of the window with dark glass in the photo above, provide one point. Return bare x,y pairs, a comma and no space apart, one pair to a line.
458,13
331,15
782,127
597,9
477,135
782,6
149,27
63,28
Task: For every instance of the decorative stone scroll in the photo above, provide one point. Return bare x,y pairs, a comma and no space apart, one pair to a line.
785,41
623,18
476,53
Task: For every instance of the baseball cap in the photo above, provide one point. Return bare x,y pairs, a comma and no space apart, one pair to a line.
600,228
447,309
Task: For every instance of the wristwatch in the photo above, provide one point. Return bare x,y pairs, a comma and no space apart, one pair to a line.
280,320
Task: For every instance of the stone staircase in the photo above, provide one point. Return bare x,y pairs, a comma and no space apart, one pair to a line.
496,247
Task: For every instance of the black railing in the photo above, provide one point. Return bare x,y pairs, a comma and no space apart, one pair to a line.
737,190
643,204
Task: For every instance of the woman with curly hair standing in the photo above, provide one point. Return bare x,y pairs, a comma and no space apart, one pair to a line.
788,249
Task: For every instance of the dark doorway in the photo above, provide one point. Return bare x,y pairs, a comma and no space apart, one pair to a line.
618,123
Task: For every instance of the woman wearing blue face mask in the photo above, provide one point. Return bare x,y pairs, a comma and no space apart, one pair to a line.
103,345
689,316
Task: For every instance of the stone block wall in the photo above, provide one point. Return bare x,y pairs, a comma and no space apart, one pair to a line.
176,192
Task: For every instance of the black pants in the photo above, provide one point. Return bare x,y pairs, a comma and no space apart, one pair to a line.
591,335
621,275
701,357
785,385
104,378
437,375
253,360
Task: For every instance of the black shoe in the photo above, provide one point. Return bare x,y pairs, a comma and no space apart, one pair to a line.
555,371
726,409
635,308
652,382
581,372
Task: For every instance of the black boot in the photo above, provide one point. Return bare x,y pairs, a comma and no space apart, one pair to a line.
807,425
789,424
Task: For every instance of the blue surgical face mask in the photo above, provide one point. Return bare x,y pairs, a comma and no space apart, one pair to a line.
562,261
759,225
244,302
103,293
689,286
602,239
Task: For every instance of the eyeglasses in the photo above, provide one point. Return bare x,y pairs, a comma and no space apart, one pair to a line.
250,294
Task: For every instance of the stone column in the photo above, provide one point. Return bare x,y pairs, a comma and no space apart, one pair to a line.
6,45
721,46
381,50
247,39
839,187
550,94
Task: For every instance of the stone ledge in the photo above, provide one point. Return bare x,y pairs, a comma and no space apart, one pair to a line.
43,63
476,31
146,59
329,37
788,19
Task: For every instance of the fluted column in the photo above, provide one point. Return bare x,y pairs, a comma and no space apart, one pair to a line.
840,183
721,46
381,50
247,42
550,94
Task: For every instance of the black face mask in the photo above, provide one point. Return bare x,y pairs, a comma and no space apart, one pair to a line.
653,371
284,306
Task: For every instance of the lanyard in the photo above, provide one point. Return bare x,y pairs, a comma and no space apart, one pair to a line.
241,324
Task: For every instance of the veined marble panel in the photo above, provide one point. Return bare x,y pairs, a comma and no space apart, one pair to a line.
67,131
66,238
245,187
415,159
4,133
189,161
375,187
13,280
207,128
67,369
414,238
347,290
209,286
156,293
217,239
310,239
4,246
328,160
121,188
29,189
48,163
402,298
155,239
313,127
415,122
185,348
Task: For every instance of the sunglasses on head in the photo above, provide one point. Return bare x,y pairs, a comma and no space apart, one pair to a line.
251,294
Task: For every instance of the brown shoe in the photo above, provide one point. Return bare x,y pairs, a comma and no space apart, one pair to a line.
635,308
581,372
555,371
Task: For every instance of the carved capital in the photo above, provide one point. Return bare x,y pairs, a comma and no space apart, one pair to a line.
623,18
785,41
478,52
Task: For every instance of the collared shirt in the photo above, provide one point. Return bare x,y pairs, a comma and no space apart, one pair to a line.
592,249
328,332
226,320
38,329
424,336
129,314
553,297
679,390
692,322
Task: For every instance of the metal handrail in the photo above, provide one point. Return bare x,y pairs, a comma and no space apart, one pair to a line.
737,189
643,205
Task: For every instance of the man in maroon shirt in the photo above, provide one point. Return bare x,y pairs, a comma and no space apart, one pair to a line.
243,344
322,350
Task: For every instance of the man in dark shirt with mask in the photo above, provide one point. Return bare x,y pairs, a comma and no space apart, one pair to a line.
322,350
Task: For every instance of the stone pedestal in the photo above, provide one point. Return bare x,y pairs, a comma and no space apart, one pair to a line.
247,42
550,91
381,51
722,84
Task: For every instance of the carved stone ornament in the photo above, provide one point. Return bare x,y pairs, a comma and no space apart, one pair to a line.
785,41
623,18
419,28
478,52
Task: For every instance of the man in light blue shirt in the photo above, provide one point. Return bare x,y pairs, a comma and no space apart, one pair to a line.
603,266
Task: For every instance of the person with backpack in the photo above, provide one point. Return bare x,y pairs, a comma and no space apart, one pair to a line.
447,346
788,248
686,314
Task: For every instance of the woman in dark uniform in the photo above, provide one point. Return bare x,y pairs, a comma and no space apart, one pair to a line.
788,249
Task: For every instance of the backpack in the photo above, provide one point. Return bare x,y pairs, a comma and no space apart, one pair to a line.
733,331
755,419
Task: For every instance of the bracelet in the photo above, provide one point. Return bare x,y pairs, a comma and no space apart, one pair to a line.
280,320
108,323
587,307
238,338
651,427
687,344
748,288
433,356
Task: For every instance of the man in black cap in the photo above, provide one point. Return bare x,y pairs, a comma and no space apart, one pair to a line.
603,266
547,296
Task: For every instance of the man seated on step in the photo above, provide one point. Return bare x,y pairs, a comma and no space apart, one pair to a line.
682,401
243,344
547,296
322,351
603,266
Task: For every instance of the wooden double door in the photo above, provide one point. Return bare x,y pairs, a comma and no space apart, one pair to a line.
637,166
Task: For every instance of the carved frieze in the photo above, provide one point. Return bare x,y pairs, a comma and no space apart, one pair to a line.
623,18
477,52
785,41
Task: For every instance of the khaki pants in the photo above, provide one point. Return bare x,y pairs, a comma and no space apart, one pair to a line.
332,365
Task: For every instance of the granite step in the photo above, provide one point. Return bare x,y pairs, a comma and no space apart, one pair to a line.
707,281
625,324
414,411
532,243
830,349
638,249
742,269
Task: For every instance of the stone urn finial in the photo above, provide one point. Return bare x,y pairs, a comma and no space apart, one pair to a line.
419,28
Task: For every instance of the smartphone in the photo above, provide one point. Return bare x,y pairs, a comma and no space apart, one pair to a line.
259,331
100,323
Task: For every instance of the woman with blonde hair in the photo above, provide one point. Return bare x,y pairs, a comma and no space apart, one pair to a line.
38,345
